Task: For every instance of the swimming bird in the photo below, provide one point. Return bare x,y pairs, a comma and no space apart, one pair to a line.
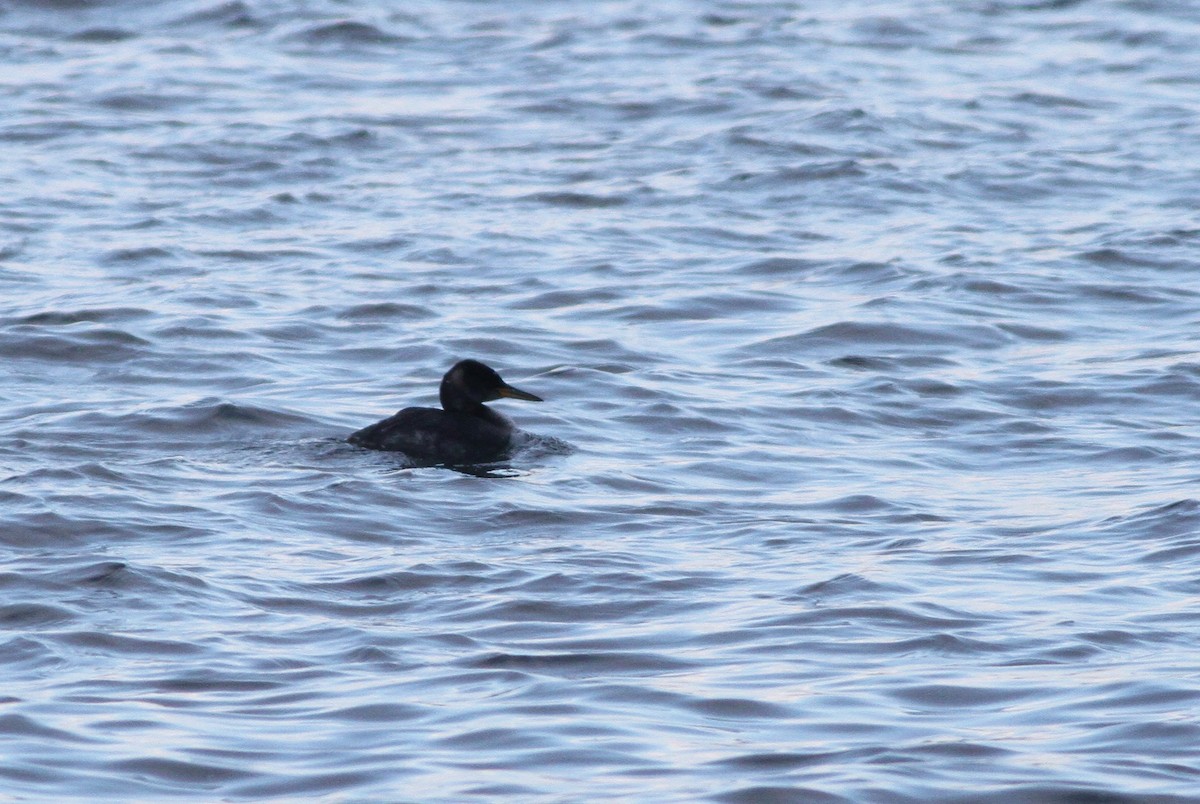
464,431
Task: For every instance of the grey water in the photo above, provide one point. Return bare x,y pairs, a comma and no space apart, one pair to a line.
868,466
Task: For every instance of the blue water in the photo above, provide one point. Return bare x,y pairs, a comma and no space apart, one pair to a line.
868,334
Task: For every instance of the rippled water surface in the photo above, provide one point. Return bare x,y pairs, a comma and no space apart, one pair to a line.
872,329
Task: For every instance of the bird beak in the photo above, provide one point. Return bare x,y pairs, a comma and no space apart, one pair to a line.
516,393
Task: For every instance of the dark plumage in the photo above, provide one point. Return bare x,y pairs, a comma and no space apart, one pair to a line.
465,431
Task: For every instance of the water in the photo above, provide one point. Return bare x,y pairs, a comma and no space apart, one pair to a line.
872,328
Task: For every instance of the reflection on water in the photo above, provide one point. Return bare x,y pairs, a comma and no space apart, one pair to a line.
870,339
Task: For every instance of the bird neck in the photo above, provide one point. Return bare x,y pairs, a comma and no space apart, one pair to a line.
454,401
457,403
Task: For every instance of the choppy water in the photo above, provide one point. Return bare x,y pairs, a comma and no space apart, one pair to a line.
873,327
